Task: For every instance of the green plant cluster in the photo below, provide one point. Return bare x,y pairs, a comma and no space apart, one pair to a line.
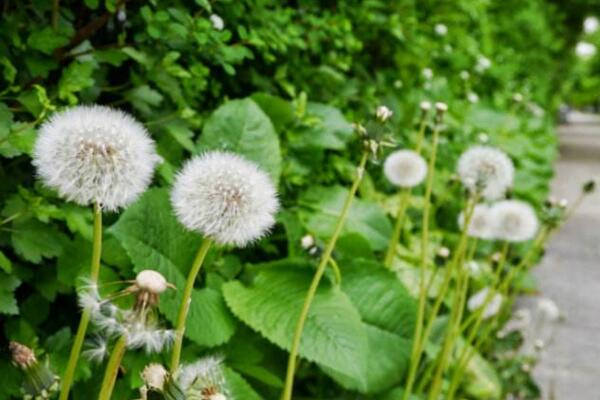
281,84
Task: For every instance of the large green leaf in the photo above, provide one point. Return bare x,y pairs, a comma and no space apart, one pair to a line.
334,336
242,127
324,205
154,239
326,127
388,313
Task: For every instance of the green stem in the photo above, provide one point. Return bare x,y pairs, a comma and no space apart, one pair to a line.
112,369
421,134
417,341
68,377
460,249
477,318
291,367
402,206
184,307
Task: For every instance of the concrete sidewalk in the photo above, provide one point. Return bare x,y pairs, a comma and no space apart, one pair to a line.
570,272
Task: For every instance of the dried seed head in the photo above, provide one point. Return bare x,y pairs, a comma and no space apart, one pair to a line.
154,376
22,356
151,281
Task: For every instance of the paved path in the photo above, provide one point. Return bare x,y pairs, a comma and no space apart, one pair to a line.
570,272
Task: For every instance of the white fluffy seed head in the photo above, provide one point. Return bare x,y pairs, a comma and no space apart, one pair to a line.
206,373
154,376
481,225
225,197
405,168
151,281
95,154
486,169
514,221
482,297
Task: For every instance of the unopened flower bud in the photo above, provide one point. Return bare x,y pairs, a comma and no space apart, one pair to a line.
425,106
443,252
151,281
383,113
441,108
307,241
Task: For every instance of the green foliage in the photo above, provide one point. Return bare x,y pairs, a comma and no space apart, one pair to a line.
280,84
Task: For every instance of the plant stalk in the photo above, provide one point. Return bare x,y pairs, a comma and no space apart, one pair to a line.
69,375
417,341
400,214
112,369
184,307
312,290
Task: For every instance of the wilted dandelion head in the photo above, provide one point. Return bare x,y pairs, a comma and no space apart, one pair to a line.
514,220
405,168
95,154
225,197
206,378
151,281
481,225
479,299
486,169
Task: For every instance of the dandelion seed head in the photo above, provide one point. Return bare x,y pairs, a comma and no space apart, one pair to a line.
481,225
225,197
95,154
486,169
151,281
206,373
478,299
405,168
472,97
154,376
427,73
441,29
514,220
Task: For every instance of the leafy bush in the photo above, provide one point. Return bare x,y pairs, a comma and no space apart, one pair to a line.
279,84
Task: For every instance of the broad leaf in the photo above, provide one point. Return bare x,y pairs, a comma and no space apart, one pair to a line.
334,336
324,205
154,239
242,127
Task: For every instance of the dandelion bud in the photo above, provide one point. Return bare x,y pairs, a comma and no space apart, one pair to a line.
217,22
443,252
589,187
486,170
307,241
225,197
441,108
151,281
563,203
383,113
425,106
154,376
39,382
517,97
405,168
440,29
95,154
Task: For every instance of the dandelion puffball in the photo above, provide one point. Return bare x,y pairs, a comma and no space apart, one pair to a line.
405,168
514,220
481,224
486,169
151,281
479,299
225,197
95,154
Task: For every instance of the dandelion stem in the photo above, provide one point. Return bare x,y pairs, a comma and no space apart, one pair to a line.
112,369
404,199
184,307
417,342
310,295
69,375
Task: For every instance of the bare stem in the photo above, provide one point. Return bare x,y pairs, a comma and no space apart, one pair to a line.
312,290
112,369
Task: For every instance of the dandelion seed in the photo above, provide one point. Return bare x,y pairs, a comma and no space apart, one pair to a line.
481,225
486,169
514,220
478,299
95,154
405,168
225,197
